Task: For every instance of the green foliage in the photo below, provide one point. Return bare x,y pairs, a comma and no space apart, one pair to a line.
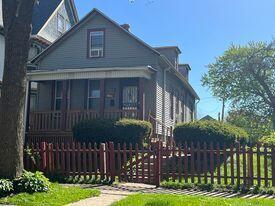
254,125
120,131
6,187
268,139
245,76
31,182
208,131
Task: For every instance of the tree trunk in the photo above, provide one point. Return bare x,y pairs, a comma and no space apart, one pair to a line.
17,16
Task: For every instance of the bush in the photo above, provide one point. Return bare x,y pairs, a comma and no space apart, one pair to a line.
209,131
94,131
31,182
120,131
6,187
268,140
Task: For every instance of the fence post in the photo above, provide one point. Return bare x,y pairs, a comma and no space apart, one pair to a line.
43,156
273,166
102,157
158,164
112,161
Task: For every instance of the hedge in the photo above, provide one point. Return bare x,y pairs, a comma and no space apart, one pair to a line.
268,140
209,131
117,131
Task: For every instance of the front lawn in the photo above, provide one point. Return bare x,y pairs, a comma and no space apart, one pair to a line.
57,196
184,200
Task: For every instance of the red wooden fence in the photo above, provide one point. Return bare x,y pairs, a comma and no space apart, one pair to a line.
194,163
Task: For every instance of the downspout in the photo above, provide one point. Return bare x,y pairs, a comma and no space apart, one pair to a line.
164,103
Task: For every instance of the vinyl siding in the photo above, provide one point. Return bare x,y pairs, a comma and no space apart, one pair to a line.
120,49
159,102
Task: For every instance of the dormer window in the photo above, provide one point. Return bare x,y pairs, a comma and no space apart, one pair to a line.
96,43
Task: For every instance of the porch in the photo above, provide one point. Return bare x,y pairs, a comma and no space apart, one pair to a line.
67,97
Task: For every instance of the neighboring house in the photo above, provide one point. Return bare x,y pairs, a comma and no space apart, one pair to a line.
207,118
50,20
100,69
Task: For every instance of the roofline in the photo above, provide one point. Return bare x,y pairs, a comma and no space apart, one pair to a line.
180,76
189,68
169,47
51,16
74,11
82,21
40,39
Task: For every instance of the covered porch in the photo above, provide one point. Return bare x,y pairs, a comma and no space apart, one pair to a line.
66,97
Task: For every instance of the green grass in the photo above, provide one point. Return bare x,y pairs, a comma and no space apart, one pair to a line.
57,196
183,200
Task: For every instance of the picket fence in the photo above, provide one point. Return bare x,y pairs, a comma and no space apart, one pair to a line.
196,163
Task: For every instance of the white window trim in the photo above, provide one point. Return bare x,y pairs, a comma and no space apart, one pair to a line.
100,51
59,16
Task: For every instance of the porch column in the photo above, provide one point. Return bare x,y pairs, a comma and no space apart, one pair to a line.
102,97
141,95
63,105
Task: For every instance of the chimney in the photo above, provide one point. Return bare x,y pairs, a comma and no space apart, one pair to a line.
126,27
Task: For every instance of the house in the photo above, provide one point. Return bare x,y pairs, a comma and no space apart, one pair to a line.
101,69
207,118
49,21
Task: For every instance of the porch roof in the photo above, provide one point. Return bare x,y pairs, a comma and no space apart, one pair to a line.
91,73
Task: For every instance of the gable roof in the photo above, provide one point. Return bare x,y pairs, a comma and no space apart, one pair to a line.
42,12
81,22
95,11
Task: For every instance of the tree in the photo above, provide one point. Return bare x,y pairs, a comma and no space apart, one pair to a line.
245,76
17,16
254,125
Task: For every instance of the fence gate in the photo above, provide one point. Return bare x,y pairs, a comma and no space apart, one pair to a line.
105,161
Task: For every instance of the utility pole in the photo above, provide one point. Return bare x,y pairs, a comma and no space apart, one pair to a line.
223,106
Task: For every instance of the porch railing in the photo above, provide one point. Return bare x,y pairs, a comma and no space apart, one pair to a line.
46,121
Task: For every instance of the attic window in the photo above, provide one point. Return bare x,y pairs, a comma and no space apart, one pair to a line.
60,24
96,43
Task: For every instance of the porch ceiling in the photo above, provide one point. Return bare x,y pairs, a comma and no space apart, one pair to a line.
91,73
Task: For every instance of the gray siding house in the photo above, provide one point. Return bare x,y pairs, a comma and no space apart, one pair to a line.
100,69
49,21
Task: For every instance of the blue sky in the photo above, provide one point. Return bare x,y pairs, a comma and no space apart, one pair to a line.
202,29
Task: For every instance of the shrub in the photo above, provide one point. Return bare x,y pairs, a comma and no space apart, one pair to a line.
31,182
209,131
132,131
6,187
120,131
268,140
95,131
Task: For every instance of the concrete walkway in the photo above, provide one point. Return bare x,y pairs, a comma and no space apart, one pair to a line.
113,193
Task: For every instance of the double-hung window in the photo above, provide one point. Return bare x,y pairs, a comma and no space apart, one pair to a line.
93,94
58,95
96,43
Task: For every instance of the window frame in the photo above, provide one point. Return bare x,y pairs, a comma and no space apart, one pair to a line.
63,23
90,81
55,95
89,49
